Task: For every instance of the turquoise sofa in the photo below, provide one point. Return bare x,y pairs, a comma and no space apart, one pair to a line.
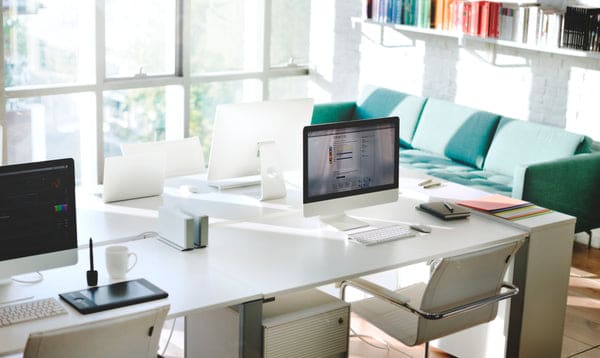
546,165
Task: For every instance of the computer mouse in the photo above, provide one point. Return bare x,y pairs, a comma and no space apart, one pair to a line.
421,228
190,189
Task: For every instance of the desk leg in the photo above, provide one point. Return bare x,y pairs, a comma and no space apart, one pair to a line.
537,314
251,342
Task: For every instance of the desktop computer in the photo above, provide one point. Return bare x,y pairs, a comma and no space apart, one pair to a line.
37,217
241,128
349,165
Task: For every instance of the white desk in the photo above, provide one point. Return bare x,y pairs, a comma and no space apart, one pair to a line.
267,248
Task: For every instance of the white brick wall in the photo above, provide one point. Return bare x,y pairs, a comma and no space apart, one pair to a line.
549,88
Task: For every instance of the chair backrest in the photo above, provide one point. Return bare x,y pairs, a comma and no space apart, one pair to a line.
183,156
134,335
463,279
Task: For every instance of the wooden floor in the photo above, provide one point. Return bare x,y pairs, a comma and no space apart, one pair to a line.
582,321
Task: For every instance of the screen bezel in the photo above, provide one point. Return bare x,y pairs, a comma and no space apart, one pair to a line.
359,123
51,257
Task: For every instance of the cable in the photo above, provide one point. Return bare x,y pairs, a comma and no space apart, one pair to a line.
147,234
170,335
363,336
40,279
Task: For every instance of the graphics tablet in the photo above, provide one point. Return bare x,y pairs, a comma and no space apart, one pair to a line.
101,298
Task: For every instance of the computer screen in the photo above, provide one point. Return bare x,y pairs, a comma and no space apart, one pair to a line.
240,127
37,216
349,165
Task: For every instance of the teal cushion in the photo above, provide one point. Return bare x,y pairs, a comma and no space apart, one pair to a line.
447,169
460,133
519,142
382,102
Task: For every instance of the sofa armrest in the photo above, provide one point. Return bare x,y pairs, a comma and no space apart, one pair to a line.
333,112
569,185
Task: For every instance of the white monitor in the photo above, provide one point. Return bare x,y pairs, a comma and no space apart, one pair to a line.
239,128
349,165
37,217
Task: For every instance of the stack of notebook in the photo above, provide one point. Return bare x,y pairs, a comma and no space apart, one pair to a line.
505,207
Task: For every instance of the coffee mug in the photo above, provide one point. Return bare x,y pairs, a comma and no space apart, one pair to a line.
117,261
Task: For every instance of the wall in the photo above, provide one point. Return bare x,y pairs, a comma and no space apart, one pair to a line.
549,88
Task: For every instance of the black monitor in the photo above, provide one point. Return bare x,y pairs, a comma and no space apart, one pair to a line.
348,165
37,217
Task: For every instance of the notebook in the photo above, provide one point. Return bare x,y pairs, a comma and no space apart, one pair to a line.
445,210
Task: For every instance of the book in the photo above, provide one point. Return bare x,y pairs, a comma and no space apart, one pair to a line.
493,202
521,212
445,210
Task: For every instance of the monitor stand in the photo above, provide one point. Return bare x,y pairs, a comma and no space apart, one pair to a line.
343,222
272,184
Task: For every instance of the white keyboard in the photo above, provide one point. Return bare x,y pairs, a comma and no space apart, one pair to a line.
30,310
382,234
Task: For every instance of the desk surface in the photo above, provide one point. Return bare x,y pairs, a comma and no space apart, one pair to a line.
255,248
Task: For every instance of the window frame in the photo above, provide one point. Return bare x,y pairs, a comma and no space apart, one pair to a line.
182,76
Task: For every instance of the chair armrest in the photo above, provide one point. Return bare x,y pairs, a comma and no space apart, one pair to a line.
402,302
511,290
333,112
568,185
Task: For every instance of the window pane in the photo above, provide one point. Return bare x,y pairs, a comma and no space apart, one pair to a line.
288,87
140,37
225,35
290,32
53,127
205,98
138,115
48,41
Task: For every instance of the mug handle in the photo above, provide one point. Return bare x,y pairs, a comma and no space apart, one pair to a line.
134,262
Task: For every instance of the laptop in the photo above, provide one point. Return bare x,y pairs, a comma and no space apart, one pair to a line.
133,176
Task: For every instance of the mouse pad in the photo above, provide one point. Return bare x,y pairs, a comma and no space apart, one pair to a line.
96,299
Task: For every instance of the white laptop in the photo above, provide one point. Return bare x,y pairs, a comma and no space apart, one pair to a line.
183,156
133,176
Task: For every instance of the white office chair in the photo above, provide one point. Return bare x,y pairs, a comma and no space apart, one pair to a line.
183,156
463,291
134,335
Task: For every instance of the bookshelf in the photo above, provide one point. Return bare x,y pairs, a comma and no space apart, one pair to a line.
463,38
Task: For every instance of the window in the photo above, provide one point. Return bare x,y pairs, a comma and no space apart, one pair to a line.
47,42
83,76
140,37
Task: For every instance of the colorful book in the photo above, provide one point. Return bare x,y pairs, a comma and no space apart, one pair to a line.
494,202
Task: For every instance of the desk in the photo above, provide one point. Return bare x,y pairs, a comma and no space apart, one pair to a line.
261,249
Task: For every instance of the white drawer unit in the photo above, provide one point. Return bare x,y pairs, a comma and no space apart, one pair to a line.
305,324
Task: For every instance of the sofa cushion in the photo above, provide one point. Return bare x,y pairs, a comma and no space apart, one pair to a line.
447,169
382,102
460,133
519,142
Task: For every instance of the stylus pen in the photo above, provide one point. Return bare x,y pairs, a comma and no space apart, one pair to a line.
91,255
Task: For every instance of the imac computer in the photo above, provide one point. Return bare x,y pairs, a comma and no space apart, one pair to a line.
239,130
37,217
349,165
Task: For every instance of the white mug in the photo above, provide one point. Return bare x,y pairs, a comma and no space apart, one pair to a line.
117,261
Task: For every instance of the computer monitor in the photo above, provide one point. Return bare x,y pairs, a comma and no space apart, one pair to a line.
37,217
349,165
239,128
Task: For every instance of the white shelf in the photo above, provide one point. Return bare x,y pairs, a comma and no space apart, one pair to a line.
511,44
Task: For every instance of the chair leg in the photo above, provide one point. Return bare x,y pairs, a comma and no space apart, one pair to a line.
426,349
589,232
